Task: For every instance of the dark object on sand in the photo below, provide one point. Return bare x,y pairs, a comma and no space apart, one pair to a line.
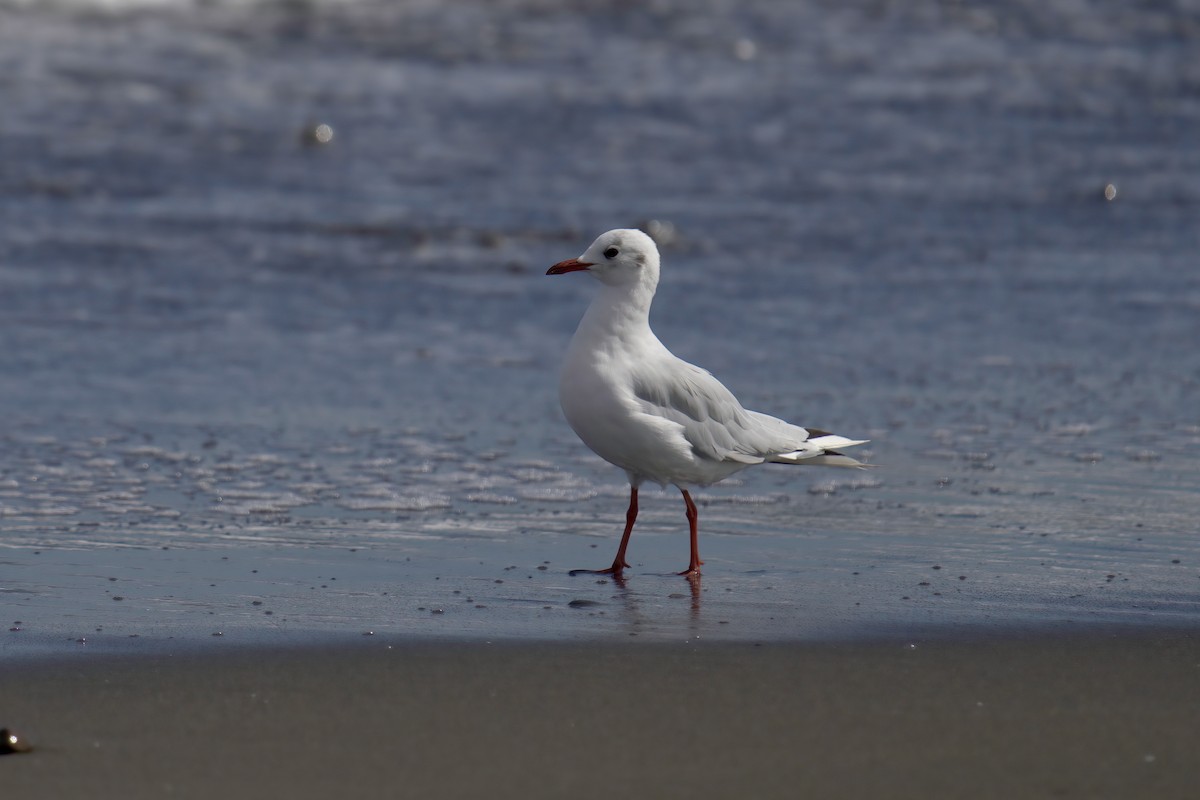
11,742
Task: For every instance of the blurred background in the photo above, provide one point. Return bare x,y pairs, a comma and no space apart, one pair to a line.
275,268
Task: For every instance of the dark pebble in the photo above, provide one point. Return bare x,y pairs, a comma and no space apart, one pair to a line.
11,742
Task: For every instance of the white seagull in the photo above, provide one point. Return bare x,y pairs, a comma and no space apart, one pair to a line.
656,416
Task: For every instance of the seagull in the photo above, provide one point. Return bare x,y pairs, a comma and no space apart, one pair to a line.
656,416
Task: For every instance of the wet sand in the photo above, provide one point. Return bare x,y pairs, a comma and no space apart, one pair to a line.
81,603
1094,716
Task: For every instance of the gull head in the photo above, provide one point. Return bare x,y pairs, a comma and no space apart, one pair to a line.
623,257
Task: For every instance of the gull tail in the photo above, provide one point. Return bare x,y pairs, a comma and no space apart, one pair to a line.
821,450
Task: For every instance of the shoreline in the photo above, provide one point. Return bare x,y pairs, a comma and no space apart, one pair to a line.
101,649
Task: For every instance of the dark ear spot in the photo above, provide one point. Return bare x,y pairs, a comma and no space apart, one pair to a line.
640,258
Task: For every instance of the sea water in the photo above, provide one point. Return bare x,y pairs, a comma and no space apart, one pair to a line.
969,235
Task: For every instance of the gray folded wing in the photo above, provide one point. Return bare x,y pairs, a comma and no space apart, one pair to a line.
713,422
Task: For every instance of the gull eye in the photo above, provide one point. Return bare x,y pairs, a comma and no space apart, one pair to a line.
611,252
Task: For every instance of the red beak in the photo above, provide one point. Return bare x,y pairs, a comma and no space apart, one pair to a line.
570,265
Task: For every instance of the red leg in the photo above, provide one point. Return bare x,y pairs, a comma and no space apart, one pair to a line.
630,518
619,562
693,518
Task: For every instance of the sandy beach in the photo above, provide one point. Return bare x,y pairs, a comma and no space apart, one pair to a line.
1087,716
288,506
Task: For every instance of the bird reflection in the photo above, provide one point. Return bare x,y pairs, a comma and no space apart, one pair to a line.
634,605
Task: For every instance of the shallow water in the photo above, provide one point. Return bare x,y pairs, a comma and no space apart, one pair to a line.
219,337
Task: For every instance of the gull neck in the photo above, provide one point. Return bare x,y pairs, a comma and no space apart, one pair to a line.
618,311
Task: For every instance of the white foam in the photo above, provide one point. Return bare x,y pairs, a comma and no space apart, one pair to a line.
561,494
396,503
487,497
